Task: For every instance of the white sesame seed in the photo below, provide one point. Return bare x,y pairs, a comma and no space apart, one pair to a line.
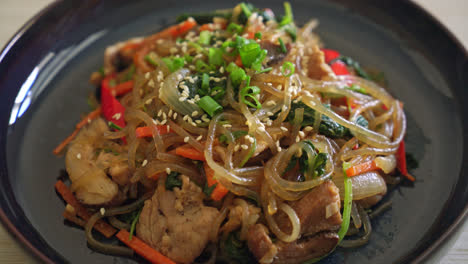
199,137
160,113
251,139
284,108
243,146
236,148
144,163
247,123
284,129
170,113
301,134
149,101
185,117
147,75
186,139
269,113
198,121
173,50
78,156
179,76
221,69
163,122
103,211
194,113
193,124
270,103
279,149
227,125
181,99
117,116
298,139
168,170
151,83
164,116
175,115
261,128
308,128
168,128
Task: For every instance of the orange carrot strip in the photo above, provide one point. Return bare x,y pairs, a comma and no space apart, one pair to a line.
143,249
238,61
220,191
207,27
362,168
81,211
82,123
122,88
182,28
190,152
72,218
145,131
91,116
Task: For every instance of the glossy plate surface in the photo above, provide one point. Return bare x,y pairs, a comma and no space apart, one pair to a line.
44,85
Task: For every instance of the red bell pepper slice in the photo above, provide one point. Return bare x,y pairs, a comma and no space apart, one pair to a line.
330,55
339,68
118,89
401,161
112,109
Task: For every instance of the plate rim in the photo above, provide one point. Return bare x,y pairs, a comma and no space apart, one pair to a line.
424,255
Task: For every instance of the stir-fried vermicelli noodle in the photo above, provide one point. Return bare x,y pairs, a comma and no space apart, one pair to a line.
233,136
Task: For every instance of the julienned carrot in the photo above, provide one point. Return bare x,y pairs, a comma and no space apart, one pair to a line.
362,168
145,131
93,115
72,218
122,88
143,249
207,27
401,161
238,61
81,211
182,28
220,191
187,151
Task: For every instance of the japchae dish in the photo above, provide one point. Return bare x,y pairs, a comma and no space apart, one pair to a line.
232,137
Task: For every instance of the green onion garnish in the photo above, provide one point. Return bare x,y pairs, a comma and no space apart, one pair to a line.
215,56
134,222
258,35
201,66
209,105
287,69
173,64
205,85
114,126
249,53
248,94
288,16
250,154
347,203
265,70
246,10
237,76
205,37
150,58
235,28
282,46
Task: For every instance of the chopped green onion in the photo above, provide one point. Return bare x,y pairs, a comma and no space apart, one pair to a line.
196,46
205,85
246,10
347,203
356,88
237,76
231,67
291,30
205,38
114,126
101,71
235,134
249,53
258,35
173,64
209,105
287,69
250,92
282,46
257,64
215,56
235,28
265,70
250,154
288,15
134,222
151,59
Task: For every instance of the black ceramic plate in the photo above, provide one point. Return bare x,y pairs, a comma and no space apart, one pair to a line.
43,88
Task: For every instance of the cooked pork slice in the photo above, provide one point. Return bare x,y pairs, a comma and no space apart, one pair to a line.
303,249
317,68
176,223
318,210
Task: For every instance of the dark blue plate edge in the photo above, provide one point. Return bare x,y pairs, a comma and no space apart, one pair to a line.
423,255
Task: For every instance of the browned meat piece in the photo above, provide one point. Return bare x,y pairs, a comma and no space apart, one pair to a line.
317,68
274,55
114,59
303,249
312,210
120,173
176,223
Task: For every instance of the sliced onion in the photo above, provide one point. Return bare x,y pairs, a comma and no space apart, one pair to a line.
364,185
169,93
387,164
